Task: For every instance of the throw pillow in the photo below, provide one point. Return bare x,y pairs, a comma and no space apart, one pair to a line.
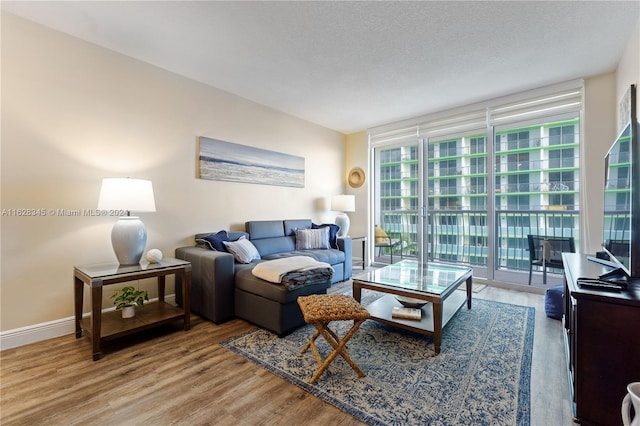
202,243
216,241
333,233
381,236
243,250
307,239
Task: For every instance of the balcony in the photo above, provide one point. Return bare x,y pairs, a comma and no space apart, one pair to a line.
463,236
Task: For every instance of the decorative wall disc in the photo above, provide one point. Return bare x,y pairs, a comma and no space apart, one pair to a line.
356,177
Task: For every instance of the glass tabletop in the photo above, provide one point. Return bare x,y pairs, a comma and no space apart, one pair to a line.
409,274
111,269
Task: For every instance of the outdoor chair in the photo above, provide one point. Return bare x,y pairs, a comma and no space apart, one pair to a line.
546,252
383,241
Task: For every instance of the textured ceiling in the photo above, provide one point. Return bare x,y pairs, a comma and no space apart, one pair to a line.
353,65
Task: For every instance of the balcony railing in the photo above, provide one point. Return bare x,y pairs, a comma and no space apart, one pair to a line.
462,236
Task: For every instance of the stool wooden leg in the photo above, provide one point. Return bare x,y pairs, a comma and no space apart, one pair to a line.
314,348
341,349
331,332
310,342
338,348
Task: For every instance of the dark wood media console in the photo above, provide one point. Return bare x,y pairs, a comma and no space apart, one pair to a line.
602,342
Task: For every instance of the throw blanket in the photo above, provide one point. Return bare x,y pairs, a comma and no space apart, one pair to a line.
293,271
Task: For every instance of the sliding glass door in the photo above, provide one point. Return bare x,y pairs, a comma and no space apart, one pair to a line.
536,189
430,200
457,211
468,188
397,201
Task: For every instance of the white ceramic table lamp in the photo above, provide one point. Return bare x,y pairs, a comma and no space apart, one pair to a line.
342,204
129,235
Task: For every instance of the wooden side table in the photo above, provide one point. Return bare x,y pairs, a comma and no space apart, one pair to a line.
111,325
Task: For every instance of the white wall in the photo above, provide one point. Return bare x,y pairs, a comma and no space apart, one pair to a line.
356,155
598,133
73,113
628,71
602,96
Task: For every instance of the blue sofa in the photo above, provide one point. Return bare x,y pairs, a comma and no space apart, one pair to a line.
222,288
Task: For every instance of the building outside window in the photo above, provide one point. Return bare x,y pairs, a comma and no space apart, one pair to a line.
536,190
468,185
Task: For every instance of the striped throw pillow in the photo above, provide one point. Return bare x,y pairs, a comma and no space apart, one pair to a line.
243,250
307,239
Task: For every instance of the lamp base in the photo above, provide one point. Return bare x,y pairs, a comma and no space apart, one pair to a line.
129,238
342,220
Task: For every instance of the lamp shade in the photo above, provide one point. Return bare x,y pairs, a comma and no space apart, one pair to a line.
343,203
127,194
129,235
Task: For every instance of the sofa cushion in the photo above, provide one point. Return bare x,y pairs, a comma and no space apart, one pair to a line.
290,225
246,281
333,233
233,236
259,229
330,256
267,246
242,250
268,236
202,243
307,239
215,241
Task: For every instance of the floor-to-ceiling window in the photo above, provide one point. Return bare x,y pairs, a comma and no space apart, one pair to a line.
469,187
396,200
457,200
536,188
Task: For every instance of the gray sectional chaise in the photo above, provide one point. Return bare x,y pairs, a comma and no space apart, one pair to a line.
222,288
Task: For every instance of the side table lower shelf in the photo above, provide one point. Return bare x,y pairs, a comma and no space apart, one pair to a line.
148,316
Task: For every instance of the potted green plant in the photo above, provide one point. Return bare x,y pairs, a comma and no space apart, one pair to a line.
127,298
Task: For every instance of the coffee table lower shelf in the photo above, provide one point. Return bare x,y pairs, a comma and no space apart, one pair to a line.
381,309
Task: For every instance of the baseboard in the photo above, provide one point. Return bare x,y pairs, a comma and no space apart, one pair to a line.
46,330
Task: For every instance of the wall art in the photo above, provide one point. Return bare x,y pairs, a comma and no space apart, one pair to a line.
624,109
220,160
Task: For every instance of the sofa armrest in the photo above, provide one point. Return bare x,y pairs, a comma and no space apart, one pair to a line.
212,282
344,244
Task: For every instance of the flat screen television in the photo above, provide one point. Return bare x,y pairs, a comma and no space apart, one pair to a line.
621,224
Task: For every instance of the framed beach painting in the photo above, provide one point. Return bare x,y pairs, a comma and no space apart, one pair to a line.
220,160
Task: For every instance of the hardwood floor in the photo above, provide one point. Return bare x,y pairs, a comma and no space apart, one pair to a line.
550,395
169,376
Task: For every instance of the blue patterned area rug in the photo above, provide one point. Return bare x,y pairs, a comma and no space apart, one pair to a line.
481,376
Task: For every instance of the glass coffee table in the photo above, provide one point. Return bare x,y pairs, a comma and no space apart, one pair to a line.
433,283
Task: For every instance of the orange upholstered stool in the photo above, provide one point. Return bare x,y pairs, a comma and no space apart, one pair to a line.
320,310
